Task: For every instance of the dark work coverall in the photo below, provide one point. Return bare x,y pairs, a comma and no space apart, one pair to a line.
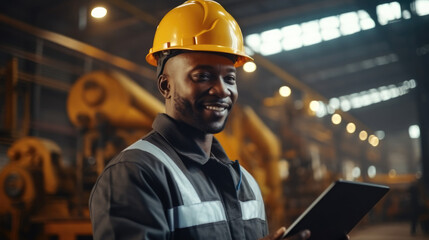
165,187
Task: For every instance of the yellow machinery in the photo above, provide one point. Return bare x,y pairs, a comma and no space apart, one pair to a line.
112,96
108,107
32,182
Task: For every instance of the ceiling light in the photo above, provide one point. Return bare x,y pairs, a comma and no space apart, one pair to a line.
291,37
322,109
363,135
375,95
380,134
270,48
249,67
336,119
314,106
366,21
329,28
254,41
351,127
285,91
356,100
356,172
310,33
406,14
345,104
373,140
422,7
372,171
99,12
334,103
349,23
271,42
414,131
372,96
388,12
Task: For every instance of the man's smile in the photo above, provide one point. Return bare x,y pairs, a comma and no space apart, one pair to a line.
218,107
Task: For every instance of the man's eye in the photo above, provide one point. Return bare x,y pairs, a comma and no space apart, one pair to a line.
229,79
204,76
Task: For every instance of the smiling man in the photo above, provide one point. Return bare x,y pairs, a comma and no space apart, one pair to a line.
200,89
177,182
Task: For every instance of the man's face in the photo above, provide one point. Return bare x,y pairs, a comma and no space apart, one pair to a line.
202,89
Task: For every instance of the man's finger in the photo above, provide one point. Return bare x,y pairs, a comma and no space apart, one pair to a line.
277,235
301,235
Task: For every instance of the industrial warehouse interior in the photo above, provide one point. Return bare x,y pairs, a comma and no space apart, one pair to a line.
339,89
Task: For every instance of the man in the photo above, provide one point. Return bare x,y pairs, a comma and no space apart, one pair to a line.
177,182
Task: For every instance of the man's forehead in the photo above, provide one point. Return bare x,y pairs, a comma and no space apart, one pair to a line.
207,58
210,67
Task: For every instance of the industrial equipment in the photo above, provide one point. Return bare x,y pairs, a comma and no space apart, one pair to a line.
103,105
34,183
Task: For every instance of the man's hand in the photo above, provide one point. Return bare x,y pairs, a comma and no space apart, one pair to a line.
278,235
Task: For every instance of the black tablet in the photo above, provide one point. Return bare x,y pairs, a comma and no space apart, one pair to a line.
338,209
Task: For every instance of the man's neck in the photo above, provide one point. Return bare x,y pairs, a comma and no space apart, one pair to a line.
204,140
205,143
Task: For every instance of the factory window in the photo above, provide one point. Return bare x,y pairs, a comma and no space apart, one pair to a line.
295,36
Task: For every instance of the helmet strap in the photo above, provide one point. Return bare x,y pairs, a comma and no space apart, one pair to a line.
162,58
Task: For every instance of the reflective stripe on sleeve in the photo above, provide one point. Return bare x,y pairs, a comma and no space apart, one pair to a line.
253,208
197,214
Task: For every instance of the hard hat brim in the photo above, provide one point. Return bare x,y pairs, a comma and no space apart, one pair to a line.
242,58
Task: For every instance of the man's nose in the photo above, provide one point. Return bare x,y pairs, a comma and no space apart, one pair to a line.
220,88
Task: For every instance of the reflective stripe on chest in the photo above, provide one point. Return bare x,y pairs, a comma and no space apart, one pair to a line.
194,212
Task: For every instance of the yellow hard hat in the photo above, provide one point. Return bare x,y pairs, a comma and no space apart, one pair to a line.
199,25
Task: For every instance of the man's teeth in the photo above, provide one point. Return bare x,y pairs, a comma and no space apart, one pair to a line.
215,108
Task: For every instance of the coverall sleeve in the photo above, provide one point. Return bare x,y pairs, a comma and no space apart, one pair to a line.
125,204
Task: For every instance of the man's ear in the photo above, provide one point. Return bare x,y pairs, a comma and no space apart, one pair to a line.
164,86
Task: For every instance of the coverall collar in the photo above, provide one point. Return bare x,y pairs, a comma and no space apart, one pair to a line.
175,133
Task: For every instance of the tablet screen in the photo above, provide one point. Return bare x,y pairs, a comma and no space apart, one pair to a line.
338,209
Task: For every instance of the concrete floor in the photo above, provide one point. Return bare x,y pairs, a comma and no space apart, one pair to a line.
387,231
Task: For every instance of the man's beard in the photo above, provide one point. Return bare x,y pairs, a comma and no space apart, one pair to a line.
184,107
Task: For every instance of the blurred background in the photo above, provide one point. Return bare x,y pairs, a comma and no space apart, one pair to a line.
338,89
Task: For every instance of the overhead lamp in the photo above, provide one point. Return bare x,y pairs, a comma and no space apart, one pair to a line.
363,135
314,105
249,67
285,91
372,171
336,119
351,127
98,12
373,140
356,172
414,131
380,134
